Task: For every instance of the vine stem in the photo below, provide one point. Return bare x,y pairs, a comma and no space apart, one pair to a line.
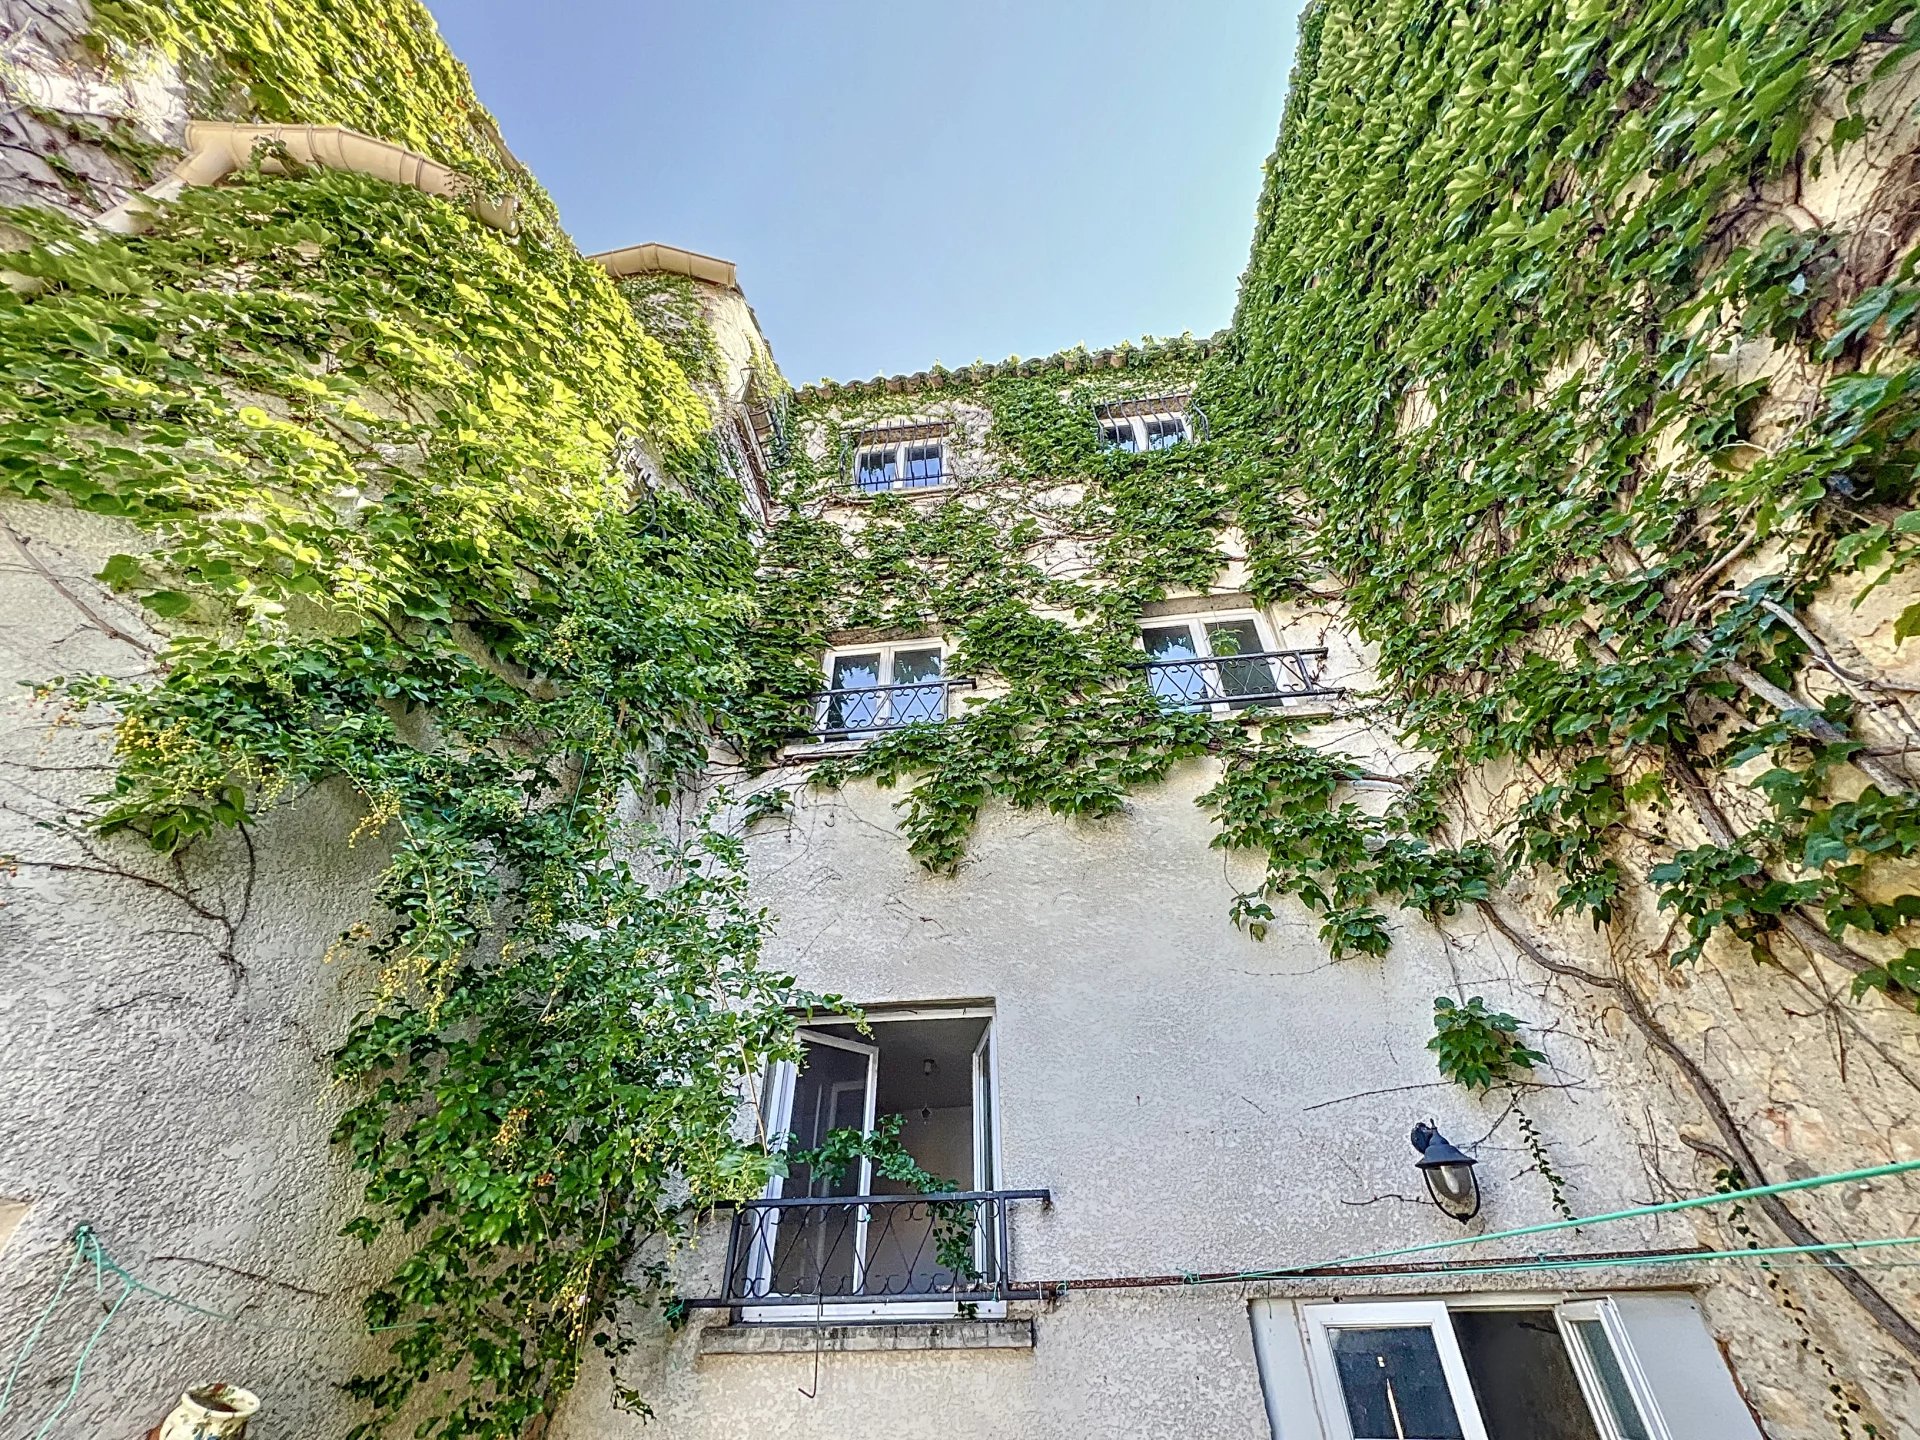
1897,1326
71,596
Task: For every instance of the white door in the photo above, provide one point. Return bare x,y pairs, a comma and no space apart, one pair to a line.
1390,1372
817,1250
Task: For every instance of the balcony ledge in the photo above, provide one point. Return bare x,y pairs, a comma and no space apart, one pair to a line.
803,1338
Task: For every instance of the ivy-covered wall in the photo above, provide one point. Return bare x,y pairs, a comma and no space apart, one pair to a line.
1577,337
1572,371
379,581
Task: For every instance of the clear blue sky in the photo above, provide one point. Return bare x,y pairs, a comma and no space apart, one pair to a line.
905,181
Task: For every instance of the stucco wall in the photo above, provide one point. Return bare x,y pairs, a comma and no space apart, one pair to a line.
1195,1101
167,1031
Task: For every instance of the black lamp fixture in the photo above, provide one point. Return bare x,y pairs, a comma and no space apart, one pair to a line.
1449,1172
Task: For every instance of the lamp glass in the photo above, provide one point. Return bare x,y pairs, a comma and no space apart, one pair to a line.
1449,1172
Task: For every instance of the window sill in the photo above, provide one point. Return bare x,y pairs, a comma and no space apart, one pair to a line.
762,1338
861,497
821,750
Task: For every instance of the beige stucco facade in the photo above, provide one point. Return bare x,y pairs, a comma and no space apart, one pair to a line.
1194,1100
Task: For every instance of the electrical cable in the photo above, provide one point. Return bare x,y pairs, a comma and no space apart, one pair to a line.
1638,1212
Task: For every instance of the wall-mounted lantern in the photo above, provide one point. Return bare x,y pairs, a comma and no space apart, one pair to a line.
1449,1173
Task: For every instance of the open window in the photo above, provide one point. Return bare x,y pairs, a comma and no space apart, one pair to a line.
871,688
1429,1370
910,1096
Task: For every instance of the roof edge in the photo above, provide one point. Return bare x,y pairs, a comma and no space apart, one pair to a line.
654,258
1078,360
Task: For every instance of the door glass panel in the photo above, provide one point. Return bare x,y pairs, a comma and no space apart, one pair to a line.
1180,685
855,673
1240,678
815,1246
922,702
1615,1392
1392,1383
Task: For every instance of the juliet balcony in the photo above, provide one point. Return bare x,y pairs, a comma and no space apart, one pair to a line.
1238,682
844,1257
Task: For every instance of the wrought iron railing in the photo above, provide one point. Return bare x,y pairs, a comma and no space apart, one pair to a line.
859,712
1235,682
841,1250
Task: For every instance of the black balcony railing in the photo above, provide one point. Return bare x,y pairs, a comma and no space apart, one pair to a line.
869,1249
862,711
1235,682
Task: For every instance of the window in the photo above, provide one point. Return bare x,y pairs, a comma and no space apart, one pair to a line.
1163,431
1155,424
1427,1370
1190,663
882,687
1598,1345
848,1243
900,457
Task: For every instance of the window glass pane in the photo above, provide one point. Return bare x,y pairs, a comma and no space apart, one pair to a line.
1522,1380
913,665
1233,637
1119,435
1165,430
1184,686
925,464
1239,678
852,711
1618,1394
1393,1385
875,469
922,702
856,672
1168,642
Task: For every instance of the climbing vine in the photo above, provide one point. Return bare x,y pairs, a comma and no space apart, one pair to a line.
1481,1050
389,483
1592,398
1593,414
1544,370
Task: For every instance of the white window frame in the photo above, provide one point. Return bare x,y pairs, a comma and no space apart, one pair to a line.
1430,1315
883,710
777,1092
1138,424
1614,1328
1197,622
1436,1315
898,448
